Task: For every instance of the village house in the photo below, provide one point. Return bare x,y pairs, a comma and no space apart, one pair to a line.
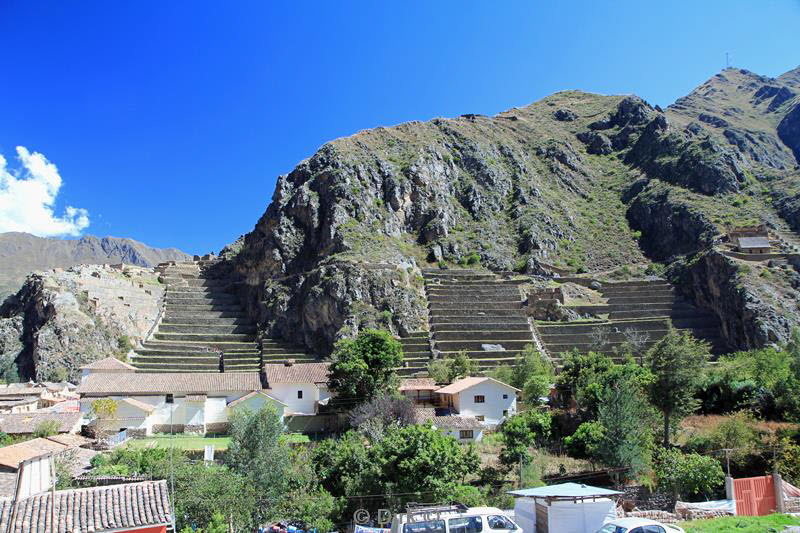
461,428
173,402
486,399
753,245
201,403
419,390
26,397
303,388
28,423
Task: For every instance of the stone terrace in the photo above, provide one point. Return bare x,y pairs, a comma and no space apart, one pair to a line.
643,307
480,313
204,328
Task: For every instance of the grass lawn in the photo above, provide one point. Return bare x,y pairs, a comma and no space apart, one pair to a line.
190,442
741,524
183,442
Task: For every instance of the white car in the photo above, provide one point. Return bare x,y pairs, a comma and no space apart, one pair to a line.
638,525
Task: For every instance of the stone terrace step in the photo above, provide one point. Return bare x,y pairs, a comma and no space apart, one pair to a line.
488,334
177,282
447,290
471,298
193,359
683,314
200,337
476,306
521,325
206,328
508,355
584,327
227,299
180,316
469,284
454,346
452,316
207,321
175,366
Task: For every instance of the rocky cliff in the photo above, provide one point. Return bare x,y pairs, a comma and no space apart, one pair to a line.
22,253
577,182
62,319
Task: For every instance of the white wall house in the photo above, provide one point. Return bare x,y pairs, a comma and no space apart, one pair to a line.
301,386
488,400
161,402
461,428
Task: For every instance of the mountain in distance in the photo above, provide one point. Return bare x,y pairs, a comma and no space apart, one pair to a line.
23,253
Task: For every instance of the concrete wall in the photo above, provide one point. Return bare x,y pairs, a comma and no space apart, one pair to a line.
477,434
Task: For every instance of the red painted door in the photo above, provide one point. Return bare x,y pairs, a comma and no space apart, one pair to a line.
755,496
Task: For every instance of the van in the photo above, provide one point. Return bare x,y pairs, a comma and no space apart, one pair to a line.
453,519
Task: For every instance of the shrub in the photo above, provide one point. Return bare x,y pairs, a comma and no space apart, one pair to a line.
46,428
689,475
585,442
520,432
535,388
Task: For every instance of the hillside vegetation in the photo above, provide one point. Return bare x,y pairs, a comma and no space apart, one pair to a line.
576,182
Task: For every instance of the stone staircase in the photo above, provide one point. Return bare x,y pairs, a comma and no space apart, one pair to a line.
634,310
416,354
204,328
479,313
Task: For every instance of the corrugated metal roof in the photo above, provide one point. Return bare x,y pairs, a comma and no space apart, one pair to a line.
754,242
565,490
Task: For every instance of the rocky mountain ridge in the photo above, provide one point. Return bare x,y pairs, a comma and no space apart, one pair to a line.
576,182
23,253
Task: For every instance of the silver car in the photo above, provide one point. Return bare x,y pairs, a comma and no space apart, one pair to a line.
638,525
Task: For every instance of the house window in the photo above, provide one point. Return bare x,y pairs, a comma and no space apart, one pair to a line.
505,412
170,398
299,395
505,396
479,418
479,399
465,434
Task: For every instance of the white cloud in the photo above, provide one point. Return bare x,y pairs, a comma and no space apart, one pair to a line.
27,197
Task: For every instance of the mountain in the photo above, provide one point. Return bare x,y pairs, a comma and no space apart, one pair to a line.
576,182
22,253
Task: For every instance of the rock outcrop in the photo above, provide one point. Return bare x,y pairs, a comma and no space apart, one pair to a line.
62,319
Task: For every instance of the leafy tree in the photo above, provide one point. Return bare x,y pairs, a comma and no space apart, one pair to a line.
305,504
258,454
420,459
786,460
104,411
530,363
203,490
580,379
626,441
386,409
676,362
585,442
688,475
365,365
503,373
46,428
455,366
522,431
535,388
344,468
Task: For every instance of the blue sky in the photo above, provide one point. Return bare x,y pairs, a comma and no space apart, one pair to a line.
169,121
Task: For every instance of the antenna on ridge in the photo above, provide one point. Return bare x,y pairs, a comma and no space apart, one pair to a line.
727,60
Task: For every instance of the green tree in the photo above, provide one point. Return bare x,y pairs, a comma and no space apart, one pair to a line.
204,490
531,363
46,428
455,366
344,468
305,504
676,362
365,365
535,388
688,475
520,433
627,439
420,459
258,454
104,411
585,442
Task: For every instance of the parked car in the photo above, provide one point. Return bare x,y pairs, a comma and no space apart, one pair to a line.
454,519
638,525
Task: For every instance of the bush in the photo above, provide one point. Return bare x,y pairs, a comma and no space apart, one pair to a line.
520,432
585,442
456,366
46,428
690,476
